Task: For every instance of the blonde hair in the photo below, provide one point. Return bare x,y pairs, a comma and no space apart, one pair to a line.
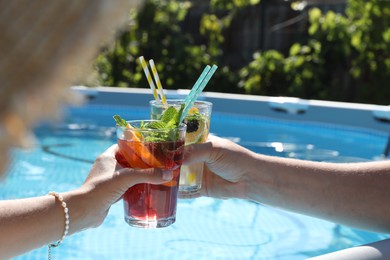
44,47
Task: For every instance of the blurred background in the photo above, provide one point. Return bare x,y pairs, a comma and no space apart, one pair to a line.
335,50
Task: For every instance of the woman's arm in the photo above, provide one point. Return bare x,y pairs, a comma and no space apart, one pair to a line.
30,223
354,194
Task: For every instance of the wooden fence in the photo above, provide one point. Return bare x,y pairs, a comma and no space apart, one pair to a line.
272,24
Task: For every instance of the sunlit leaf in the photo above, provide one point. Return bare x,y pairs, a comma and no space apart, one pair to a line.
314,14
295,48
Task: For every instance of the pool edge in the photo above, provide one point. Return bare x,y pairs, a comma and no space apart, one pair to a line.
369,116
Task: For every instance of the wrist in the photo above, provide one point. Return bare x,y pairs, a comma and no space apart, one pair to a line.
63,204
248,184
255,178
79,206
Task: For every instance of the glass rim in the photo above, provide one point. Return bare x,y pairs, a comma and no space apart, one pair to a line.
199,103
181,127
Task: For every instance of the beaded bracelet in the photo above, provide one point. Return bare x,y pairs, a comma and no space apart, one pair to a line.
67,221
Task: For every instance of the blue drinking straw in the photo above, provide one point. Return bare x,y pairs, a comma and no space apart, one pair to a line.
196,85
195,92
203,84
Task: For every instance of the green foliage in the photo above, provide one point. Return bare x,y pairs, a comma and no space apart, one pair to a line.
157,33
346,58
231,5
299,74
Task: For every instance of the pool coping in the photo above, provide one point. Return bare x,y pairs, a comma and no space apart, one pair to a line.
368,116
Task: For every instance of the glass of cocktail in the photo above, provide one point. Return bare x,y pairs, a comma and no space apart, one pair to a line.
198,126
145,144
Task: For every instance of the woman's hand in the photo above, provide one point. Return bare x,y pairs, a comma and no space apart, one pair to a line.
39,221
108,181
226,165
354,194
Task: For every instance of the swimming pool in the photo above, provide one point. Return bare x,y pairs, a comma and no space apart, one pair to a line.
205,228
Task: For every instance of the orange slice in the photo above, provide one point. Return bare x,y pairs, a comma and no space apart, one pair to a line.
131,135
141,150
172,183
144,153
130,156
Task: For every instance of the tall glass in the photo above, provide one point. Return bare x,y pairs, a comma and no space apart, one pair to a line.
198,127
148,205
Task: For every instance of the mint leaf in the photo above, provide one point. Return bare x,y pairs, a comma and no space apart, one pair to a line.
179,114
157,125
167,124
169,114
172,117
120,121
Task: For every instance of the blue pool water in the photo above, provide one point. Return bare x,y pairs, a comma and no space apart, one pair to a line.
205,228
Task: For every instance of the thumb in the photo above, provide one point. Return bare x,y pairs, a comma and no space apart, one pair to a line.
197,153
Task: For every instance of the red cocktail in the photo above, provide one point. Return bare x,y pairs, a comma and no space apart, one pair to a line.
149,205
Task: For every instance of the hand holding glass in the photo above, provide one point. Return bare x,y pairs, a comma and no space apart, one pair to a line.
148,205
198,126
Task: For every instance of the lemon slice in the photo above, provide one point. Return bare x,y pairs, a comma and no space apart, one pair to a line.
196,126
191,178
196,136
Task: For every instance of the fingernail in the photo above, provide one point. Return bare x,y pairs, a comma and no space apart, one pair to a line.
167,175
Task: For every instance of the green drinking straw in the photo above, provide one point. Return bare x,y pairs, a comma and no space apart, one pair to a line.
196,85
195,88
195,92
203,84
